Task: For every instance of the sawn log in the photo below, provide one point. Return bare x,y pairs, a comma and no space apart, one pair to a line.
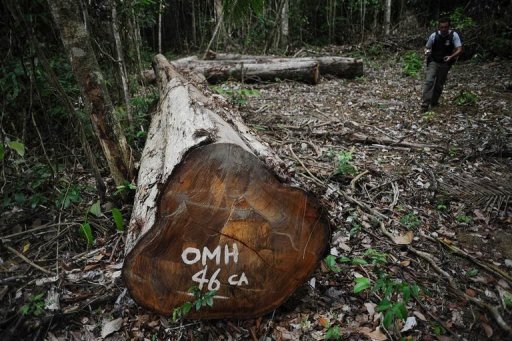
211,212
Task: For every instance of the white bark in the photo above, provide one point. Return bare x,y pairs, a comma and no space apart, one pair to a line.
387,19
285,31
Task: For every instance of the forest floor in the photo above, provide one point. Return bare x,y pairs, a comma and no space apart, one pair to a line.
418,203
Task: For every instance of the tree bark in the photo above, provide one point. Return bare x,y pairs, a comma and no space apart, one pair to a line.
306,71
342,67
121,63
210,212
387,18
67,16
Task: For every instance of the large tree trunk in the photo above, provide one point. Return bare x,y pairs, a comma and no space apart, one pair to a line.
210,213
342,67
74,35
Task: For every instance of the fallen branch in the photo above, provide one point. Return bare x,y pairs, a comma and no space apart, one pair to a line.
28,261
365,139
491,309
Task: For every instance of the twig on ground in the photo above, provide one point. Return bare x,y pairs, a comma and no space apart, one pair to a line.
28,261
356,178
491,309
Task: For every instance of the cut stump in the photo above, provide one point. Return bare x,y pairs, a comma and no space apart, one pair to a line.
209,213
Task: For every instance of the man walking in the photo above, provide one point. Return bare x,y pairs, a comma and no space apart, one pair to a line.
442,49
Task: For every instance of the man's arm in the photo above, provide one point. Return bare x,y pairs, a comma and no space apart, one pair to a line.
455,54
458,48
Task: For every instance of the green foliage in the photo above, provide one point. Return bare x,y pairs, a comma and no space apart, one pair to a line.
466,98
375,50
86,232
140,105
69,196
376,256
118,219
236,96
452,151
463,219
429,116
410,220
362,283
437,329
95,209
395,296
34,306
395,293
200,300
507,299
333,333
355,229
18,147
412,64
472,272
441,206
460,20
127,186
344,165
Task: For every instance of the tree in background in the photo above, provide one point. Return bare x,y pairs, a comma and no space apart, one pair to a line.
75,38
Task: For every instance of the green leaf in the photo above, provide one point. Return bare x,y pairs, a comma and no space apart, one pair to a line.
406,292
2,151
333,332
198,304
118,219
25,309
472,273
384,305
18,147
359,261
176,314
415,290
96,209
400,310
362,283
344,259
185,308
209,301
388,318
330,261
86,231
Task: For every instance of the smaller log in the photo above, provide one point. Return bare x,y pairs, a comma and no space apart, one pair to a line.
342,67
306,71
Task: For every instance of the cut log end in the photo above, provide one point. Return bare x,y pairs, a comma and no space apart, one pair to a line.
226,224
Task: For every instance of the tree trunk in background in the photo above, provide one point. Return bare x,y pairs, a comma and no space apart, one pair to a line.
387,18
121,63
208,187
285,20
219,16
160,26
76,41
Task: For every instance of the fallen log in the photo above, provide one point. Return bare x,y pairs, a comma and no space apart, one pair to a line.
342,67
210,212
267,68
306,71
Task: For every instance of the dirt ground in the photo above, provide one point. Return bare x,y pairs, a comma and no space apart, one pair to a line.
417,200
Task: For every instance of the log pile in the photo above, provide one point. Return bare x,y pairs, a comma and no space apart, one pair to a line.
246,68
211,212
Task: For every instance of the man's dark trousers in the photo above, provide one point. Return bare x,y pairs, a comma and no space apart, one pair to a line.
436,75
